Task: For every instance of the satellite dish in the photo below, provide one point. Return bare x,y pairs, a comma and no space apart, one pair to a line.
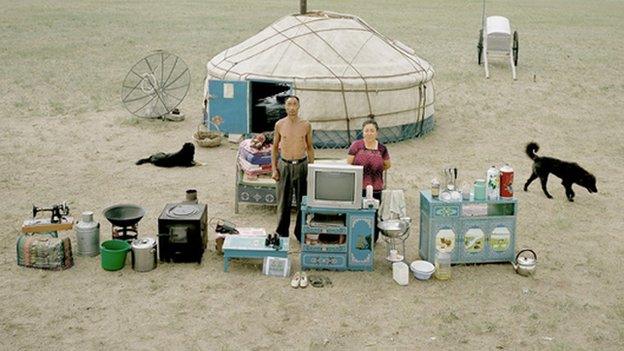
155,85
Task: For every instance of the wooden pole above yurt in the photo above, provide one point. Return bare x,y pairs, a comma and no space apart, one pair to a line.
303,6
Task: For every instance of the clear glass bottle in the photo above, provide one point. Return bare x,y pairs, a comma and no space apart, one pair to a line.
435,188
465,190
442,265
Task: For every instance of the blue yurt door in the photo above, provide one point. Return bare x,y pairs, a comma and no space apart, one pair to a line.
227,106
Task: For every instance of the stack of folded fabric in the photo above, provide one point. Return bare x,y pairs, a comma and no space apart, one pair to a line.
254,162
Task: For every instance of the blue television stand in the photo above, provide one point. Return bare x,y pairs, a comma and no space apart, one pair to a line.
337,238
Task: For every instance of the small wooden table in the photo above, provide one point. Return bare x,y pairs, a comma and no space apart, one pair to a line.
238,246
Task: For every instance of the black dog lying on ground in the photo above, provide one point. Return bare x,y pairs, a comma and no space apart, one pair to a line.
182,158
570,173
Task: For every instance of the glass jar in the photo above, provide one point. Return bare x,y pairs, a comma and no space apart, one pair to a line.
479,190
465,190
435,188
442,265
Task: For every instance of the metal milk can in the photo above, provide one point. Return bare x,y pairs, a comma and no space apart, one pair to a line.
88,235
144,257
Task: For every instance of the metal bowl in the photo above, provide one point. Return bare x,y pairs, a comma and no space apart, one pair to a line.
124,215
393,228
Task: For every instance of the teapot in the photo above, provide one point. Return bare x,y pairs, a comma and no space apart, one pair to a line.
524,265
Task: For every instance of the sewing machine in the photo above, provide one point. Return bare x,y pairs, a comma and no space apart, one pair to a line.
59,219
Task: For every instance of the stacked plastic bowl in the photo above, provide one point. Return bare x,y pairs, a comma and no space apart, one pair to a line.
422,269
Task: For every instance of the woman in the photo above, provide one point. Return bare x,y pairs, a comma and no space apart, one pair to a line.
374,157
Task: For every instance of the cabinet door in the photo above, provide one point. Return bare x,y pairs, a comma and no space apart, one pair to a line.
444,235
361,241
501,241
472,241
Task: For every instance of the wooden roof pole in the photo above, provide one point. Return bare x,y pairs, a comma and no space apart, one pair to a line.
303,6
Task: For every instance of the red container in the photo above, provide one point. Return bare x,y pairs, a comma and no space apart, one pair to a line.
506,180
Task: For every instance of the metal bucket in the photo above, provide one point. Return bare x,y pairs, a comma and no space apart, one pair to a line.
88,235
144,257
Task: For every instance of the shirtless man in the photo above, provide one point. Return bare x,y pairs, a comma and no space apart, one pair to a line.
290,167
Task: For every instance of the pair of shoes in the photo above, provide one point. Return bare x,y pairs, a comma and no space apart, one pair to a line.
299,280
320,281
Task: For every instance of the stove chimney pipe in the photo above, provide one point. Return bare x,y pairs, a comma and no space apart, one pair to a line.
303,7
191,196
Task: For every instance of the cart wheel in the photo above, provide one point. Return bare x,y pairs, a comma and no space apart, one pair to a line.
480,46
515,47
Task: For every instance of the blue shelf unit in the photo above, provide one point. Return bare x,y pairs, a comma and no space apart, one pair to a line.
337,238
473,231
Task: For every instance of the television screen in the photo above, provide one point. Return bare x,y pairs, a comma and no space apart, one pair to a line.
334,186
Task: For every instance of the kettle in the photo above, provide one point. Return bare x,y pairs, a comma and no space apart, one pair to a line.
524,265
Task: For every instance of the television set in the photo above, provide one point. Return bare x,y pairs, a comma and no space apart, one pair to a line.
335,185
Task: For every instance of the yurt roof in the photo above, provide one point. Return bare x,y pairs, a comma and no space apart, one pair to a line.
322,50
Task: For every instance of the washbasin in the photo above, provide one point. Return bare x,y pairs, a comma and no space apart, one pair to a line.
124,215
393,227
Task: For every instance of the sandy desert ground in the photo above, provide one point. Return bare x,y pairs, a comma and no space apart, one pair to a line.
66,137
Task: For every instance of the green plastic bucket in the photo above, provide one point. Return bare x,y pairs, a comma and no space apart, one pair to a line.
113,253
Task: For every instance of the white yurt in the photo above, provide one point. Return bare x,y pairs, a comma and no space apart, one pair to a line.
342,70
